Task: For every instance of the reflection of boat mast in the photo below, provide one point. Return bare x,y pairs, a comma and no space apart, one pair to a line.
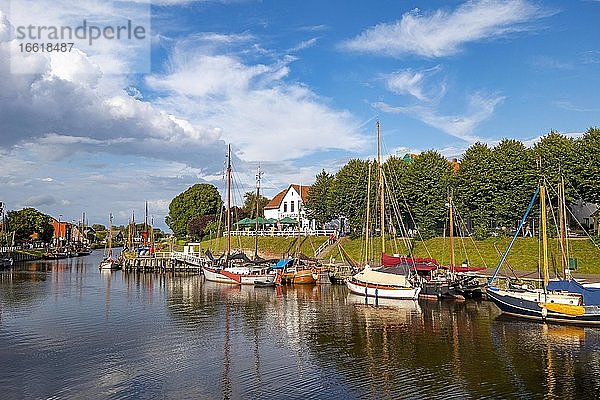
226,357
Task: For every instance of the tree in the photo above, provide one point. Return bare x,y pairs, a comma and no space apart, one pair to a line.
317,204
98,227
427,186
200,199
249,207
587,166
556,153
348,193
201,225
474,189
514,176
28,221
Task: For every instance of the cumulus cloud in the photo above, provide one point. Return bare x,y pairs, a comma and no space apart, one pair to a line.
445,32
253,106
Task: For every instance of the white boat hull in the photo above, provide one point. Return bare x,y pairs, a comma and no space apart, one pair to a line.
368,290
237,275
109,265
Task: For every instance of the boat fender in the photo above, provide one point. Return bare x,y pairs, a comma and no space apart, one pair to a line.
544,312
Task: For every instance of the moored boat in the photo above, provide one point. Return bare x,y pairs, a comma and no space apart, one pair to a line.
565,302
6,262
372,283
109,262
241,275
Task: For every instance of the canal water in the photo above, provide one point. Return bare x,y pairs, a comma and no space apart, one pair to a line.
69,331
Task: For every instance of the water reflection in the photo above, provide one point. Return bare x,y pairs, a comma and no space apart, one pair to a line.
69,330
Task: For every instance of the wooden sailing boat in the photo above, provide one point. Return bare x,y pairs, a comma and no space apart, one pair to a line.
109,262
549,303
377,283
235,268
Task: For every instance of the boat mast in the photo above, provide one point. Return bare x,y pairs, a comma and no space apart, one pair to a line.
146,226
367,227
544,233
381,189
152,236
258,175
297,255
228,199
109,252
562,212
451,206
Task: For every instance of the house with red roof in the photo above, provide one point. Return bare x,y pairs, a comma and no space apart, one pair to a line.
289,203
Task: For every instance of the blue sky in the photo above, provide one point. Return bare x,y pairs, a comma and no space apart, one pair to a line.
294,86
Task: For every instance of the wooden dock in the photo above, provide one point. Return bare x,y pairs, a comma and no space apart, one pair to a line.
165,263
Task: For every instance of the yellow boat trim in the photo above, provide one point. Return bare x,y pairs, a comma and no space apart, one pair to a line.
566,309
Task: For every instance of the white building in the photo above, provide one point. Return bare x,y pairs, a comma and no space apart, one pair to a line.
290,203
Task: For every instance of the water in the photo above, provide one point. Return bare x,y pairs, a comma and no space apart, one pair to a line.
69,331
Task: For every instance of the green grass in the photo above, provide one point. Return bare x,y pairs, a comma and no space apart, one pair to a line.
486,253
522,257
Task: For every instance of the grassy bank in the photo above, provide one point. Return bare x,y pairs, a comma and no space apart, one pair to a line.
486,253
523,256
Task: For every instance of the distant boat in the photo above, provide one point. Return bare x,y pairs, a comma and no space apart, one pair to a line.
556,301
6,262
109,262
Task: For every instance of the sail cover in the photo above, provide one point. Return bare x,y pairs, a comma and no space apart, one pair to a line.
369,276
413,262
591,296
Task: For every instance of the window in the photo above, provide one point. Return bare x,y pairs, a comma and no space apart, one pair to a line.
285,206
292,206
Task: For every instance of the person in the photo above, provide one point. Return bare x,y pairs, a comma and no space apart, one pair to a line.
331,238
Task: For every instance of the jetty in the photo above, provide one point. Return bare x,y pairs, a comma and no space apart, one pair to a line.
164,262
190,260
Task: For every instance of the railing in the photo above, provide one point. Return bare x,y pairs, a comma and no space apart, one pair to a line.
189,258
322,247
320,232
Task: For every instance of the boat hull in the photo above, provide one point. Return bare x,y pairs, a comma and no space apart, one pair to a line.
237,275
109,265
302,277
531,305
387,292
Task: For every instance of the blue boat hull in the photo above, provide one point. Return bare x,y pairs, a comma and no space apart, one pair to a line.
533,310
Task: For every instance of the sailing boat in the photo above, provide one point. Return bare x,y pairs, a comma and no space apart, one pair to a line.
5,260
224,270
109,263
548,303
377,283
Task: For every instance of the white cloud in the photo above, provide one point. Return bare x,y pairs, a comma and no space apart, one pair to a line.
253,106
414,83
39,200
444,32
479,109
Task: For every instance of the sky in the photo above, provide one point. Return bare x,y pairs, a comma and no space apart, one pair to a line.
294,86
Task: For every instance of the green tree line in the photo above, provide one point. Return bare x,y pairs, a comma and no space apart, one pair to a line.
491,187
